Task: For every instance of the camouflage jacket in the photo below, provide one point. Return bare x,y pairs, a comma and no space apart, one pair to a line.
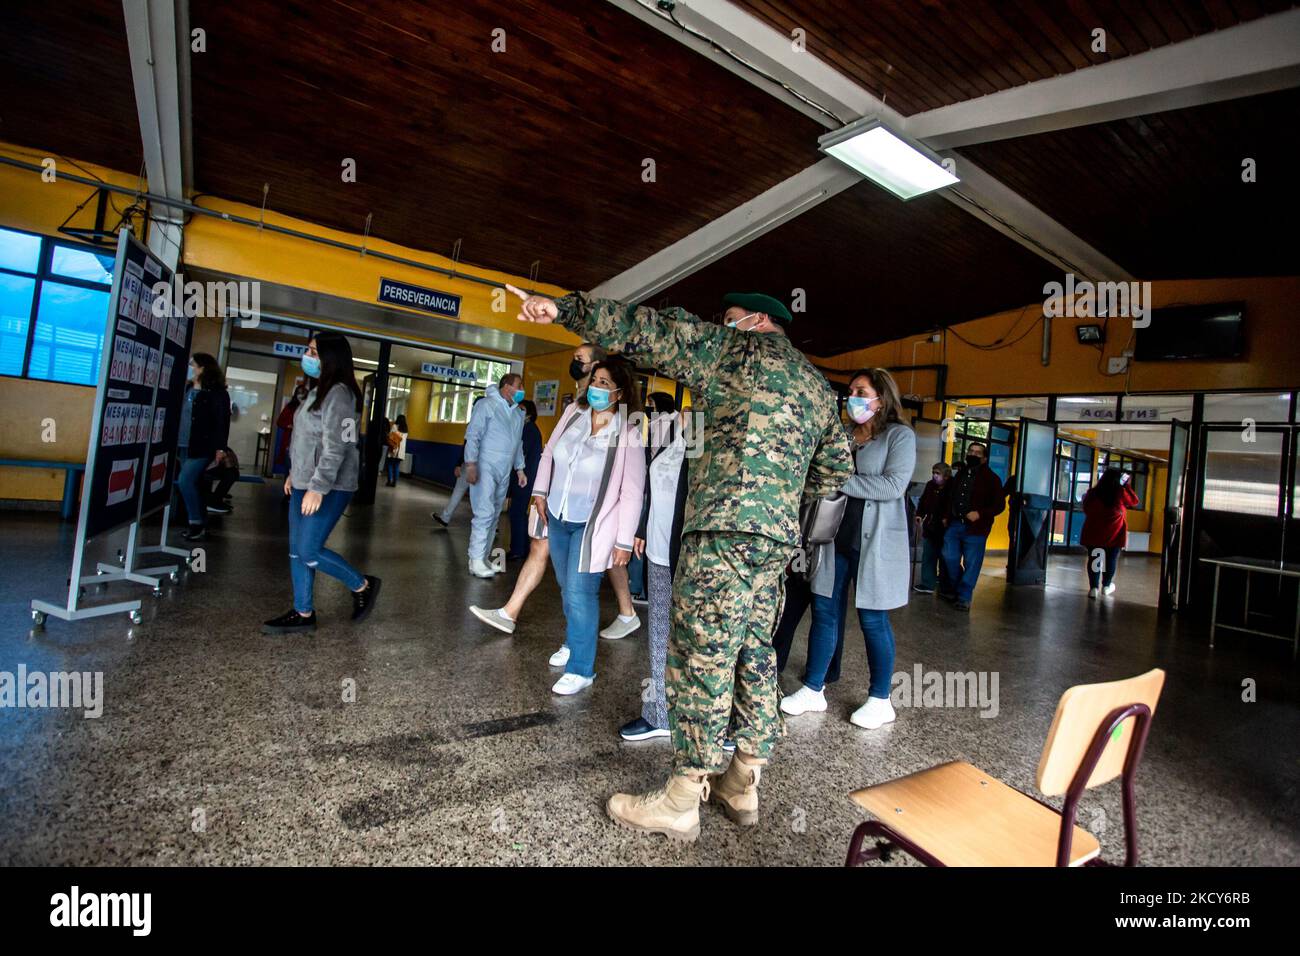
771,427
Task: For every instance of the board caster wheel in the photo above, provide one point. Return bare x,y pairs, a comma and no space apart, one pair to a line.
174,577
136,617
38,618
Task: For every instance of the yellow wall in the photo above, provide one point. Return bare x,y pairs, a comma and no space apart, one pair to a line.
1272,311
28,203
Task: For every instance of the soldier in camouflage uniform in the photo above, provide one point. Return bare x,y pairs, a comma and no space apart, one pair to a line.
772,437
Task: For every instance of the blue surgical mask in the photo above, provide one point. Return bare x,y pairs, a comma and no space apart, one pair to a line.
598,398
735,324
311,365
860,409
519,395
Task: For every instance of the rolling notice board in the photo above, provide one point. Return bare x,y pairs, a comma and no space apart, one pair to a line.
131,424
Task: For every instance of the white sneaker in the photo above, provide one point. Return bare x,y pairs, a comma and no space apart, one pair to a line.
1109,589
560,657
571,684
876,712
1092,592
803,700
480,568
495,617
620,628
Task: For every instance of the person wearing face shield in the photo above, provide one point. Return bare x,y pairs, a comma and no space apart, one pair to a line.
771,439
494,456
971,499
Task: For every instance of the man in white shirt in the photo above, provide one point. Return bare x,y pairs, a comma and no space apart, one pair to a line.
493,448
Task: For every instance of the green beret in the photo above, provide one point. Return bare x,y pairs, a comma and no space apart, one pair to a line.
757,302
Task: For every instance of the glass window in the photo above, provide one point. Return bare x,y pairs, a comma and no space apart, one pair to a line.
19,251
1257,406
15,314
1086,408
69,334
84,264
1013,409
399,393
1242,477
1157,408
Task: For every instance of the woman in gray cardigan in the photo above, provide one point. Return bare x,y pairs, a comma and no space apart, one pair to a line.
872,547
324,468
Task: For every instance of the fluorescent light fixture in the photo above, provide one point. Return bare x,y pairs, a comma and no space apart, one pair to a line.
905,168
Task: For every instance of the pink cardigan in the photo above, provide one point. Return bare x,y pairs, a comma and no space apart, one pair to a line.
616,512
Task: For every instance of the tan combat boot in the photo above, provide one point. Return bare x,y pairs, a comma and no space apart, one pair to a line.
737,791
673,809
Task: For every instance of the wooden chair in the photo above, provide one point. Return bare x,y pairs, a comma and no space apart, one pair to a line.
957,815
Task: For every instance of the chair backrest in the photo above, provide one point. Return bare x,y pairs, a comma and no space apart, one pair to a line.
1078,716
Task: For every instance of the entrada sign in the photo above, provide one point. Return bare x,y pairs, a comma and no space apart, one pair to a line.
445,371
418,297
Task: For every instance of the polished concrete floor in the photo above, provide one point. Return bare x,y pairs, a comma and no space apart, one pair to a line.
219,745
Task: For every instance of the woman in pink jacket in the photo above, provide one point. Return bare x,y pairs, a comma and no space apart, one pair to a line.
587,500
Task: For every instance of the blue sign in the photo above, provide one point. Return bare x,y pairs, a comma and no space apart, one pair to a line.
444,371
417,297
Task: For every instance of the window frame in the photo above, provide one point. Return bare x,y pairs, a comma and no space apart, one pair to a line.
44,273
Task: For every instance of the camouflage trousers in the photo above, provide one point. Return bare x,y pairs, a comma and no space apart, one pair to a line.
721,668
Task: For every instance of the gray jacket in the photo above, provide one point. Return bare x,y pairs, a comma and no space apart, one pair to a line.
882,471
323,454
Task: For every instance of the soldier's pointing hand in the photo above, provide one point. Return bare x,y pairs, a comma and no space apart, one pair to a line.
535,308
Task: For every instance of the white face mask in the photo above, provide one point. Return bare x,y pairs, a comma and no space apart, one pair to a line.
736,323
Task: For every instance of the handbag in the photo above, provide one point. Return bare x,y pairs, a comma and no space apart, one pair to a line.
819,523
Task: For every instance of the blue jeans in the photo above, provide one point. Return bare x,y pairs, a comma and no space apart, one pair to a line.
307,551
963,554
581,594
827,628
394,467
196,510
932,562
1108,573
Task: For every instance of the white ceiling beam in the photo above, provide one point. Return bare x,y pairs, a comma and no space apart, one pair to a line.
730,231
160,76
803,77
1260,56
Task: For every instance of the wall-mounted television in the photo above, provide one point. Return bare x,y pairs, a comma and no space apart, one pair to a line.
1193,332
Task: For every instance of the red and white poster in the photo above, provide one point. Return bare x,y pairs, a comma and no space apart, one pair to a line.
158,471
121,481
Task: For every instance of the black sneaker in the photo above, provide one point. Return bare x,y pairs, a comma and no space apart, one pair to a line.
948,595
363,601
438,518
922,589
290,622
961,605
642,729
196,533
218,509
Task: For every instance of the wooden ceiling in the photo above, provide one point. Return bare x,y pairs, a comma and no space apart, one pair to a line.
536,153
919,55
872,269
65,82
1163,195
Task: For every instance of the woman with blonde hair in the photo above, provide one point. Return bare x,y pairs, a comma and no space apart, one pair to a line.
872,546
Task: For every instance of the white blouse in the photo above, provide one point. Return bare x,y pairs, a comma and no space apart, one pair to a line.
578,466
